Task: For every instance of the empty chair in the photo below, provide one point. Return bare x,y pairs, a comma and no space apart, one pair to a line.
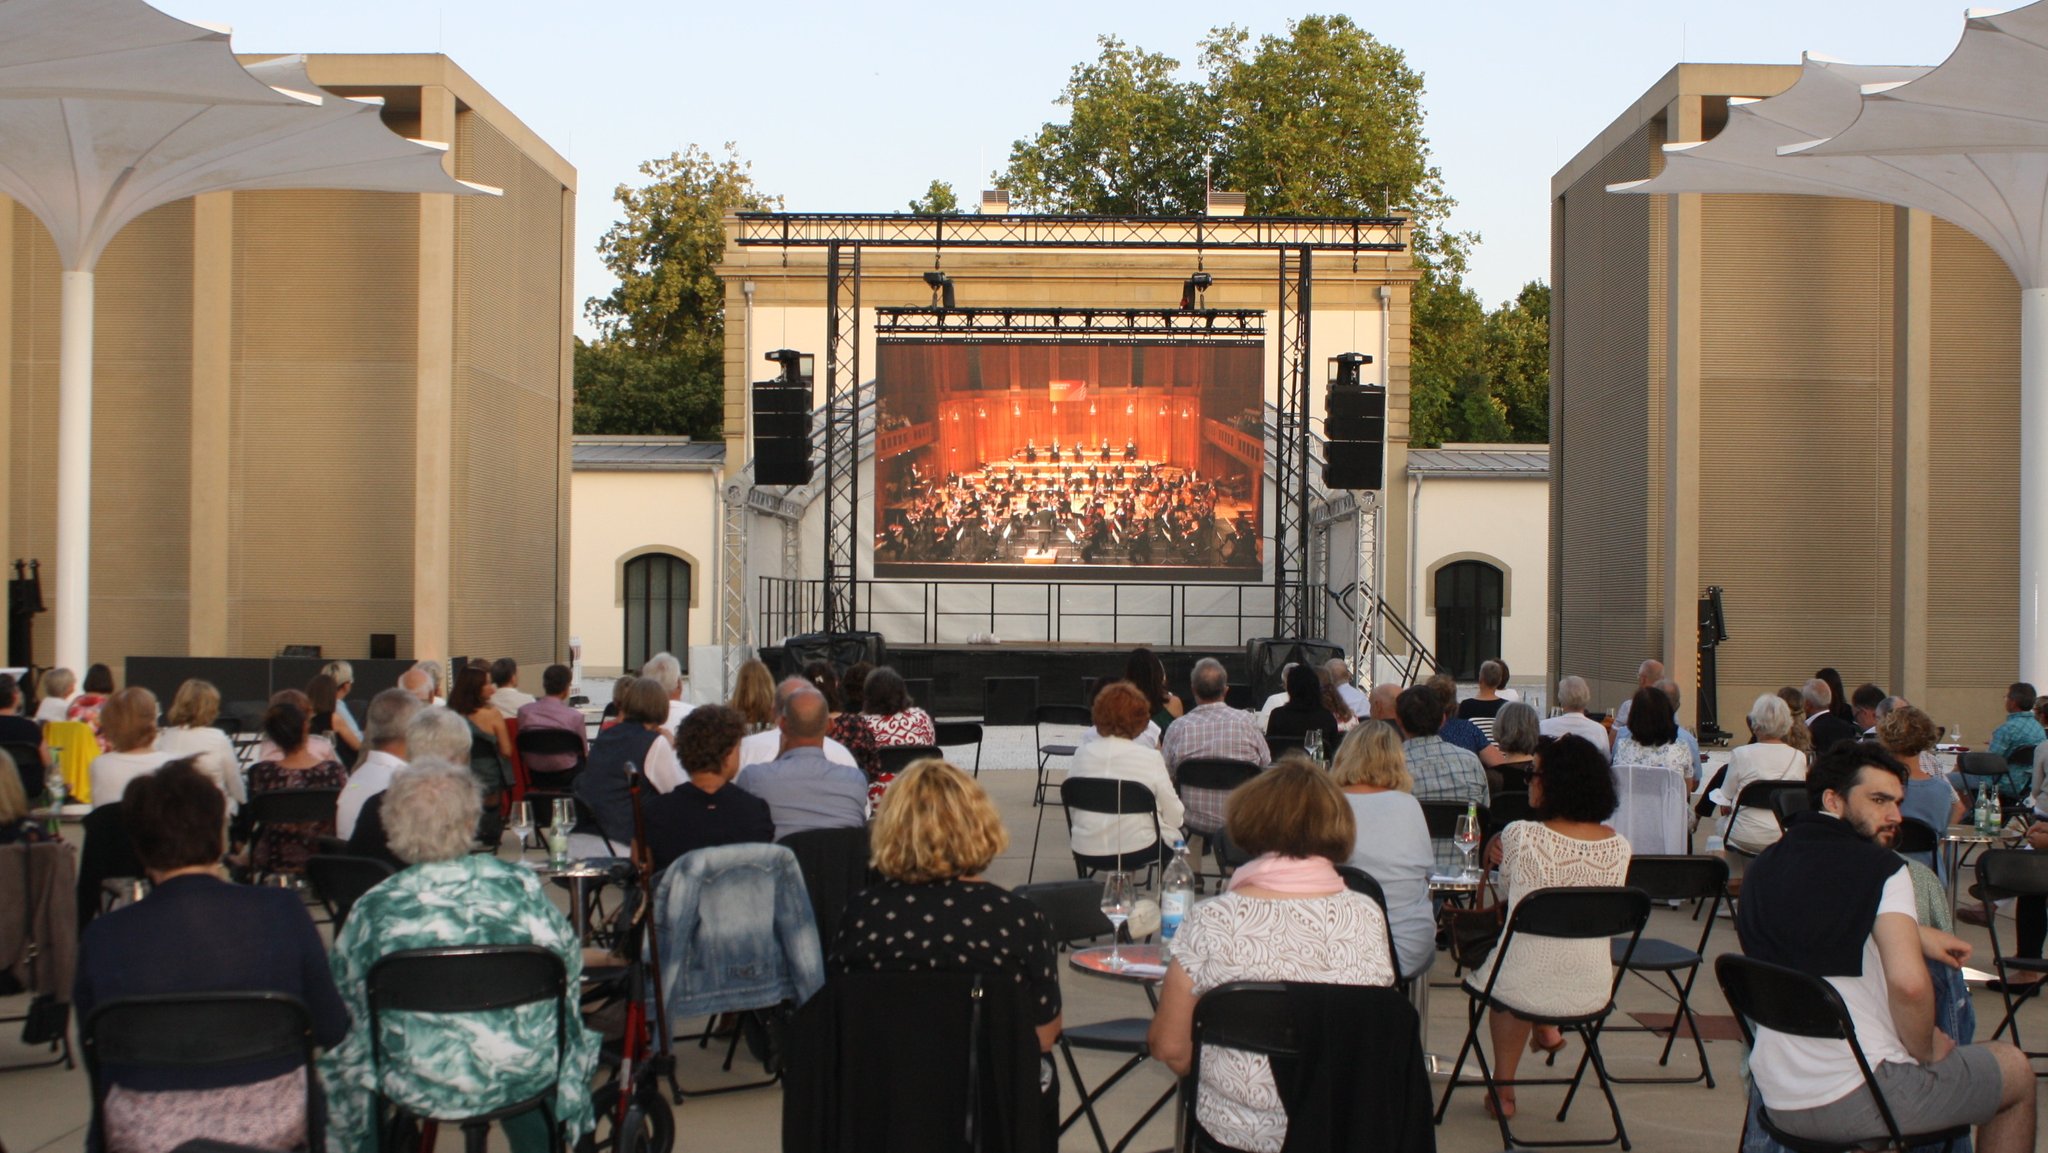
2003,873
896,758
954,734
1057,732
1674,878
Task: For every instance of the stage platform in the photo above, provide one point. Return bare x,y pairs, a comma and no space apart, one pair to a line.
1025,675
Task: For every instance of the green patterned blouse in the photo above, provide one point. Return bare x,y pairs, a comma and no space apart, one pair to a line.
452,1065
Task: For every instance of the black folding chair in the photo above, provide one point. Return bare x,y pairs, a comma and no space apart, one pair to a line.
1785,802
197,1030
1113,798
1074,911
953,734
550,743
1767,996
834,863
273,807
1916,836
1979,768
1507,808
1577,913
468,979
1214,775
1442,819
896,758
1701,877
1058,717
339,881
107,858
2003,873
28,764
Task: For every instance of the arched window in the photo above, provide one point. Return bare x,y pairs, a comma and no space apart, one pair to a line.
657,608
1468,605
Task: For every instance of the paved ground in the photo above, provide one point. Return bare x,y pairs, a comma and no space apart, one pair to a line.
47,1108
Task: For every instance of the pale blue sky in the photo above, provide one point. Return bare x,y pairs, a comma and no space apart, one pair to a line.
854,107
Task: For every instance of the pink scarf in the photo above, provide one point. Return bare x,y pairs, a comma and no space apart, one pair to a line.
1295,876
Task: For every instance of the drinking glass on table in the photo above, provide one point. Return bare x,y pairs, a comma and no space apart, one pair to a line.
1313,745
521,823
1116,905
1466,837
564,814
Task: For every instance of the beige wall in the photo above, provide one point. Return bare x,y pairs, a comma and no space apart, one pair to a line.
1506,523
1838,379
621,515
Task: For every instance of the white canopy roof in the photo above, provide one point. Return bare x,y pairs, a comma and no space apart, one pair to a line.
109,108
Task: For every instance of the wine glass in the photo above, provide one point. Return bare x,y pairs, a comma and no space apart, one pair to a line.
1312,744
565,813
521,823
1466,837
1116,905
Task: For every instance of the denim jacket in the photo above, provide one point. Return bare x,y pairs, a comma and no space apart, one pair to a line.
736,931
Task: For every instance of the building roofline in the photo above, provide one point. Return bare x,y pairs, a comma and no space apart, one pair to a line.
1759,80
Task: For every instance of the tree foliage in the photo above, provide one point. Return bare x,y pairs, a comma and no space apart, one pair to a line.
1135,141
1476,375
656,367
938,200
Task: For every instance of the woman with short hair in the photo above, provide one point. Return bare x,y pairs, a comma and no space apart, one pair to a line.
189,731
606,826
1907,732
1287,916
55,691
889,711
1769,757
1121,714
128,725
1516,730
1567,844
454,1065
1393,845
298,764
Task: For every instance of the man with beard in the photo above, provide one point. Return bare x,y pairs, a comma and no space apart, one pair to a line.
1831,899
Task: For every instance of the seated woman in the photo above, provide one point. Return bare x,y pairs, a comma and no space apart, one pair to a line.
1121,713
891,714
1145,670
1286,917
707,809
1906,732
935,835
322,747
1572,793
128,728
324,693
1766,758
54,692
99,686
848,727
606,828
298,765
490,756
453,1066
1304,712
194,934
1653,770
1393,836
753,696
1516,729
189,732
1333,701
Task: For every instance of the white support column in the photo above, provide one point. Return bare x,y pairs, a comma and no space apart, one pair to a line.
74,471
2033,640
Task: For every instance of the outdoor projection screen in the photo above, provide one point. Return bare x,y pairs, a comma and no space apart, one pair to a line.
1063,461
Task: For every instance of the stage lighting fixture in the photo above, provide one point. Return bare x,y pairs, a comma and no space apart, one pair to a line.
942,289
1195,291
797,367
1344,369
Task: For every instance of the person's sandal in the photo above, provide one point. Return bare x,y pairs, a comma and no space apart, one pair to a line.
1976,915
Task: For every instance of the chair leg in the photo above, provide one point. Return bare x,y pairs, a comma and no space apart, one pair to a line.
1032,869
1471,1041
476,1136
1087,1104
1592,1037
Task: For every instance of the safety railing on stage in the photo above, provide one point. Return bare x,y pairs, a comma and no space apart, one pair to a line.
1047,612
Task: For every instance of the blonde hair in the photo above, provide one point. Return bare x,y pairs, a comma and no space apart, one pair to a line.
128,719
754,695
1371,755
13,801
196,705
935,824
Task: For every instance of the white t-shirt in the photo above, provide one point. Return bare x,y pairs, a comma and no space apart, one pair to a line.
763,747
1801,1073
53,708
216,755
677,710
111,773
371,777
1577,725
1266,710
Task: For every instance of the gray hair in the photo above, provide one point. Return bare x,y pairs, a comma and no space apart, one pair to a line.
433,670
1885,706
1493,674
389,713
417,681
1574,694
1817,694
1770,716
431,811
666,669
1644,670
1338,669
1209,679
342,672
1669,688
437,733
1516,728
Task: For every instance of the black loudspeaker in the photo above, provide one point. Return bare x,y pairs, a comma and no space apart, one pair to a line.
1268,655
782,433
383,646
1355,432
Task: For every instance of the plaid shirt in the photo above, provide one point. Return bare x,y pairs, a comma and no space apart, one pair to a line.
1444,772
1212,730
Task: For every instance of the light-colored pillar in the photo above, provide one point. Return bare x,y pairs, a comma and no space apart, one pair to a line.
2033,482
1681,543
74,471
566,411
1912,449
434,411
213,262
7,553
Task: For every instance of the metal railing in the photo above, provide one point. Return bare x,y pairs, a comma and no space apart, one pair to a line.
1050,612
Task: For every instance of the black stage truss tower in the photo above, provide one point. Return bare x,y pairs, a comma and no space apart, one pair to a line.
1295,239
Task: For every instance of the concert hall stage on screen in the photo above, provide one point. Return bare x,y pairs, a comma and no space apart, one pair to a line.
1060,461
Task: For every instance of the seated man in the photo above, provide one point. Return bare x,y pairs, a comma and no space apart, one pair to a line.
762,747
506,696
1831,899
805,789
551,712
1442,771
390,712
707,809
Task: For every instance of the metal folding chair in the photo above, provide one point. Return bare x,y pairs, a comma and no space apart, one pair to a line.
1702,877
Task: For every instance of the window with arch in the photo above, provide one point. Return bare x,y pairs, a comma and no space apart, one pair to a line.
657,608
1469,595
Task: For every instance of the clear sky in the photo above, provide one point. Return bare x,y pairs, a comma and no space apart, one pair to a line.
853,107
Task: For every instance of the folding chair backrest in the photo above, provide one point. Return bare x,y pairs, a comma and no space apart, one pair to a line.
1678,878
1508,807
1072,908
2021,757
1581,911
1249,1016
1359,881
834,863
2012,873
1916,836
1105,795
292,806
896,758
1784,802
952,734
1073,716
191,1030
465,979
340,881
1442,818
1979,763
1219,773
1782,999
549,741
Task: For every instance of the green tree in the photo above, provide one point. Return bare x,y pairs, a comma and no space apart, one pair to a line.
1446,338
1517,361
938,200
657,365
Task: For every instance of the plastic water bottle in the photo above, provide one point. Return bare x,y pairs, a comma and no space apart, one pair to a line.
1983,808
1176,891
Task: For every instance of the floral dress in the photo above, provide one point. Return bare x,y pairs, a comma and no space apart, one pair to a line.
454,1065
286,847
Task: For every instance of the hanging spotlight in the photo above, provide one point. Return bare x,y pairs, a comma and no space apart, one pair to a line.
1194,294
942,289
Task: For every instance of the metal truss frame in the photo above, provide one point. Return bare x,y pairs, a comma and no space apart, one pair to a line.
1292,614
1211,325
842,432
898,230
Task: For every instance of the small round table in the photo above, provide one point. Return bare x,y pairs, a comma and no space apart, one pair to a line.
578,875
1955,845
1142,964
